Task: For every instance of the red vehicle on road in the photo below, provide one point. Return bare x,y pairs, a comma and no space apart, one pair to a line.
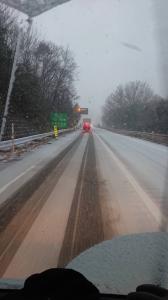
86,127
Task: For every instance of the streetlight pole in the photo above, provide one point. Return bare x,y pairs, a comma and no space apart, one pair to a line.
12,79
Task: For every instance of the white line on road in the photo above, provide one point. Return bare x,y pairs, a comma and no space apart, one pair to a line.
155,146
154,210
15,179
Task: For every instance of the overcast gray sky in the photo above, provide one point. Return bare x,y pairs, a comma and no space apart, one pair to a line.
113,41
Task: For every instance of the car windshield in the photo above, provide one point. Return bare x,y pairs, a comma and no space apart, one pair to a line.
83,137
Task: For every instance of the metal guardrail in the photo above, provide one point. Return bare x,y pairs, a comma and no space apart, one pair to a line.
6,145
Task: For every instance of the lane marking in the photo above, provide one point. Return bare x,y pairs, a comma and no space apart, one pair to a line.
16,236
143,154
154,210
27,170
15,179
153,145
78,203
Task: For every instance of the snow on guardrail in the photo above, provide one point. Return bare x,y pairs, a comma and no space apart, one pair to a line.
6,145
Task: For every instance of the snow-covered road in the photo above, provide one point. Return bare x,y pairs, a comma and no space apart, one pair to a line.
105,185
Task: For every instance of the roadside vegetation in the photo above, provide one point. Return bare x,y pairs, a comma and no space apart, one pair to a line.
136,107
44,81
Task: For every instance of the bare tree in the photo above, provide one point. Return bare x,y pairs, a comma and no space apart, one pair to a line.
128,105
44,79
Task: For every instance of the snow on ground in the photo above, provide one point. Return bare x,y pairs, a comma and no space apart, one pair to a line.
14,174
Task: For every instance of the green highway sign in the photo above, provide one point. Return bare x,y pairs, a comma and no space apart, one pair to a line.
59,119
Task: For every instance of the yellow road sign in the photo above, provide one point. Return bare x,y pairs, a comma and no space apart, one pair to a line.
55,131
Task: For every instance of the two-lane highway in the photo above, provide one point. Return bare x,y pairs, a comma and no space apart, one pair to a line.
105,185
